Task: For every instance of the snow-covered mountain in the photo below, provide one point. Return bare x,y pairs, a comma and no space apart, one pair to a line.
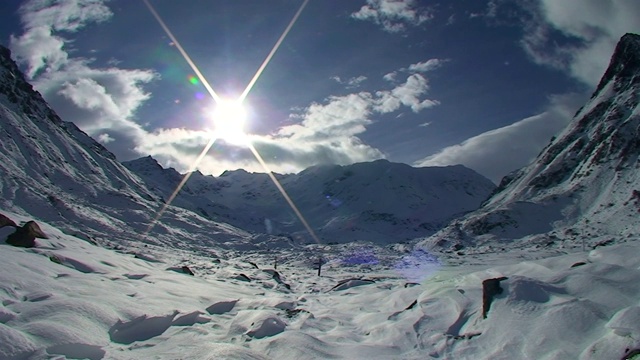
585,183
53,171
67,298
375,201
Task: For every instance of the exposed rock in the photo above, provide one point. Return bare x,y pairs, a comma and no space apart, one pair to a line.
276,276
349,283
466,336
290,313
490,288
186,270
631,354
579,263
5,221
26,235
603,243
242,277
412,305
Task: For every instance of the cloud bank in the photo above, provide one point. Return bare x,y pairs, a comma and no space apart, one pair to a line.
104,101
497,152
575,36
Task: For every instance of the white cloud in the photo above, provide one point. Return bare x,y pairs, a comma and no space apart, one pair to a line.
406,94
38,46
391,77
426,66
104,138
350,83
497,152
392,15
325,133
593,28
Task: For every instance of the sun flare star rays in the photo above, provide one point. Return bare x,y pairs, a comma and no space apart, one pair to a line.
228,113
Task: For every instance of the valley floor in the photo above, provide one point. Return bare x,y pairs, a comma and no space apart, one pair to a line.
71,299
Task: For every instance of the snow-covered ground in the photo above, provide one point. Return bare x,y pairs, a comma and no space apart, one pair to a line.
68,298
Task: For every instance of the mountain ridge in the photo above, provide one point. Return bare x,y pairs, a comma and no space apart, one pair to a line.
583,183
341,202
52,170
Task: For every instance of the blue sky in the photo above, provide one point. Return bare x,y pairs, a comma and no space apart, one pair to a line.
480,83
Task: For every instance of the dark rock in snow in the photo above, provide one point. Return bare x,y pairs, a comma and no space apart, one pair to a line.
579,263
603,243
490,288
412,305
631,354
186,270
242,277
349,283
26,235
5,221
290,313
276,276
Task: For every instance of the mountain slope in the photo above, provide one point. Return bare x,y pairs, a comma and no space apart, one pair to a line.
377,201
53,171
585,182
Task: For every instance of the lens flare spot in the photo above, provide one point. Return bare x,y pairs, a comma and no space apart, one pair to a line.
193,80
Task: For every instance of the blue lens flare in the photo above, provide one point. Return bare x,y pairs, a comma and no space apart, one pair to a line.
360,257
418,266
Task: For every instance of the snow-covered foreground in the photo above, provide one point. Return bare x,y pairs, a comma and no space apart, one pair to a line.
68,298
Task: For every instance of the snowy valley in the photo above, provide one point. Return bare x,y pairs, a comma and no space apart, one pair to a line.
413,263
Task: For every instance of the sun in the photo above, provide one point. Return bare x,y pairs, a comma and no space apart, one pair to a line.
229,117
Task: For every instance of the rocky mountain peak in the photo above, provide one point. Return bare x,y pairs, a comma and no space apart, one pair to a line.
624,65
20,92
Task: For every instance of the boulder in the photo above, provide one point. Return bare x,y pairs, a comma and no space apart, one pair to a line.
186,270
5,221
26,235
490,288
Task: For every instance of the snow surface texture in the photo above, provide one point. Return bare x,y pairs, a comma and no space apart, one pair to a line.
97,303
585,183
